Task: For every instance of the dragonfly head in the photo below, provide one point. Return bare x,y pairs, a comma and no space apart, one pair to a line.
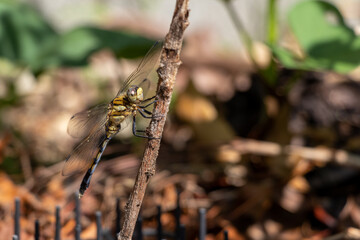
135,94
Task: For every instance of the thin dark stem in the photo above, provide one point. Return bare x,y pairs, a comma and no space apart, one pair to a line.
138,229
245,37
272,23
182,232
226,235
169,64
98,226
57,223
17,218
77,218
159,225
202,228
118,216
178,214
37,230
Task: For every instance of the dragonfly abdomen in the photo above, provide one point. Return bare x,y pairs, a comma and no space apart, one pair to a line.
86,180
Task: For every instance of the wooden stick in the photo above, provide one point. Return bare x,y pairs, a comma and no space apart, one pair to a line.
323,154
169,64
350,233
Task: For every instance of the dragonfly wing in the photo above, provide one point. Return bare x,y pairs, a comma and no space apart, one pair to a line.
83,155
145,85
141,73
82,123
126,122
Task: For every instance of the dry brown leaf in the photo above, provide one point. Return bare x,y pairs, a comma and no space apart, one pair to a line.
168,220
256,232
169,196
233,234
236,175
300,184
210,81
6,232
195,109
4,141
272,228
213,212
272,106
228,154
90,204
89,232
55,194
55,187
8,190
354,211
324,217
67,230
291,199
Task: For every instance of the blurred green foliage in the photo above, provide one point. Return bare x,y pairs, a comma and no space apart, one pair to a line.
325,39
74,47
29,40
23,32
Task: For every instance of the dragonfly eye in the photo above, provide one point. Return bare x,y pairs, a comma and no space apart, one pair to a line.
135,94
131,92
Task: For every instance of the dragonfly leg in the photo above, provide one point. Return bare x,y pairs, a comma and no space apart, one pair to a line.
135,131
143,111
146,111
148,104
148,99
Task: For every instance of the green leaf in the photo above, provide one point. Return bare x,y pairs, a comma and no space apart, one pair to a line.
323,36
23,32
27,39
74,47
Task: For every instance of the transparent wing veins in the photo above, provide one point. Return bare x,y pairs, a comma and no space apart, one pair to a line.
82,123
143,70
84,154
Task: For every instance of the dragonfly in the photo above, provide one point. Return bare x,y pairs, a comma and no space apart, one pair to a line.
98,125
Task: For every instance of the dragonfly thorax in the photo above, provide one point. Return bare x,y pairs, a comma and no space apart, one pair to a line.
121,108
135,94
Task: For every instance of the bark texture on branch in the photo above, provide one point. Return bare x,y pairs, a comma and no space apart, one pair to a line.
169,64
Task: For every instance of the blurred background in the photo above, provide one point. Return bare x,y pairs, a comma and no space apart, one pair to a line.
263,129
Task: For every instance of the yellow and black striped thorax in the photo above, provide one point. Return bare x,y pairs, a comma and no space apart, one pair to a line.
120,105
122,100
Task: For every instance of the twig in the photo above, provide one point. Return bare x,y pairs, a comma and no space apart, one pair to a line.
350,233
169,64
263,148
244,35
